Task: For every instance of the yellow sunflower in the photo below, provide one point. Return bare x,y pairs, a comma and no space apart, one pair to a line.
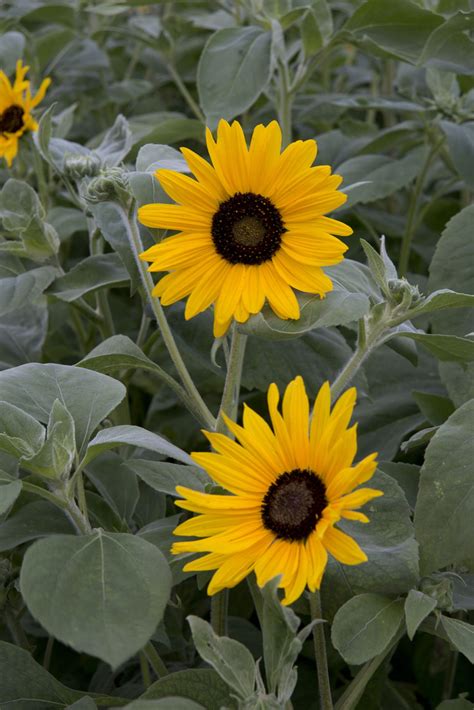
289,487
251,226
16,104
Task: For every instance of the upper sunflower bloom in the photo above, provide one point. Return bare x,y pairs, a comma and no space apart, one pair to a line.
290,486
16,104
251,226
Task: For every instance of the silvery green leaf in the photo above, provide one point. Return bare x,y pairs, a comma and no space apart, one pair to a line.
230,659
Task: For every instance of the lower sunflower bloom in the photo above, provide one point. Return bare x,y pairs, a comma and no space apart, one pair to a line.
16,104
289,487
251,227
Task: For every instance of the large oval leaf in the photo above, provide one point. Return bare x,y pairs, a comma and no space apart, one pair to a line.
233,71
103,594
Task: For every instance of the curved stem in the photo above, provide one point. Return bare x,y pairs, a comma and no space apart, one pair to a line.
230,396
285,104
155,661
352,365
320,652
229,406
196,402
219,608
180,85
413,208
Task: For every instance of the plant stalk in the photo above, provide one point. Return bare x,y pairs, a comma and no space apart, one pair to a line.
413,209
155,660
320,652
195,403
230,397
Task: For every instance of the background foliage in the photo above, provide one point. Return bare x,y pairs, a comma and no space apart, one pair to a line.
90,404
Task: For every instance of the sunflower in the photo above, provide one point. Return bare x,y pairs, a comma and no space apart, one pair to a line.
16,104
289,487
251,227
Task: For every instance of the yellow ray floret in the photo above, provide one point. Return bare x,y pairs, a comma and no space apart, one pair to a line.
251,227
289,485
16,105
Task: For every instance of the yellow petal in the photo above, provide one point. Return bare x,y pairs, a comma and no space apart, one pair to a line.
317,561
343,547
226,475
173,217
186,191
296,416
243,459
298,583
264,158
206,174
279,295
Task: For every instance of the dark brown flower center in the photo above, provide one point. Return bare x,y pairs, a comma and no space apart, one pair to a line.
247,229
11,120
293,504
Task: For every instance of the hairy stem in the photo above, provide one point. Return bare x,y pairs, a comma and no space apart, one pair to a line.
155,660
320,652
194,402
413,208
230,396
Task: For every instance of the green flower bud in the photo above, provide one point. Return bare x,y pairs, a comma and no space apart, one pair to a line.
111,185
403,292
77,167
440,589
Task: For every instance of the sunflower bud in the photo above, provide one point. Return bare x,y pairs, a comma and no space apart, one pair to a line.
111,185
403,293
441,589
77,167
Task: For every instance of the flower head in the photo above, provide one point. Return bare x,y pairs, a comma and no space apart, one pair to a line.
16,104
289,487
251,227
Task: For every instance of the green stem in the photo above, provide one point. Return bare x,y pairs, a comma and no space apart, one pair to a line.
413,208
219,608
16,630
195,402
47,653
229,406
320,652
355,361
80,523
285,104
180,85
143,330
40,177
145,669
155,661
450,675
230,396
96,247
81,496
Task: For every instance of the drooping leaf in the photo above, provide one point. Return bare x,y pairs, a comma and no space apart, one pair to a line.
417,608
133,436
461,635
91,274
